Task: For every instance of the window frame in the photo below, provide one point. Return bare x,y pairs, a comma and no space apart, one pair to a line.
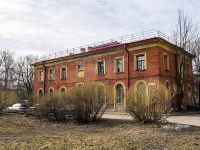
116,65
78,85
136,61
80,69
166,61
39,76
61,73
97,67
51,79
187,69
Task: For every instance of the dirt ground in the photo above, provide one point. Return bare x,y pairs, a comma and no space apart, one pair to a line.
29,133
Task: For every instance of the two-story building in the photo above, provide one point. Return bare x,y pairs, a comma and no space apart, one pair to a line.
138,59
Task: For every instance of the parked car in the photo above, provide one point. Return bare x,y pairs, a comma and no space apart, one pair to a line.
30,111
18,108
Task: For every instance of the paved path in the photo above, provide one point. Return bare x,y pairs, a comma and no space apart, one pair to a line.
193,119
186,119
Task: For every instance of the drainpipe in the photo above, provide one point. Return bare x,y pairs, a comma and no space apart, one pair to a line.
128,72
44,86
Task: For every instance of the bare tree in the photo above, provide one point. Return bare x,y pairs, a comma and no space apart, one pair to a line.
7,68
184,35
184,31
25,72
195,50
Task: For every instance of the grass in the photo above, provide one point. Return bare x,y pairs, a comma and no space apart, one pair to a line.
20,132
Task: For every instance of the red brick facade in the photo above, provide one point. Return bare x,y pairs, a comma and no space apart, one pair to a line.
158,59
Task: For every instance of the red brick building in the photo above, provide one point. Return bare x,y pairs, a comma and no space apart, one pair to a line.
119,64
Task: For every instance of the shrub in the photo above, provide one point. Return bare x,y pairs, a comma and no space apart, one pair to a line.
148,105
89,101
3,99
52,107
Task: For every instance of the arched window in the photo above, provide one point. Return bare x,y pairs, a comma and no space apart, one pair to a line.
51,92
119,93
101,92
140,92
141,86
63,91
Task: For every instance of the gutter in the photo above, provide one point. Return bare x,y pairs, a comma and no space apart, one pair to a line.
44,86
125,47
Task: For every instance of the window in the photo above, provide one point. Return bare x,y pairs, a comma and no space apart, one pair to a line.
63,73
166,61
140,62
101,94
101,67
141,92
188,69
80,85
80,71
51,72
189,95
119,65
63,91
80,67
51,92
41,76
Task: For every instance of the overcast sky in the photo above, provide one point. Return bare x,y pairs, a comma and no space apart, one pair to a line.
41,27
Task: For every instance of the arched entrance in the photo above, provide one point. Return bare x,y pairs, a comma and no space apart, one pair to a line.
119,97
40,95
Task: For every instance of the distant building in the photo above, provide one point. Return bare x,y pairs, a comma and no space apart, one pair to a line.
138,59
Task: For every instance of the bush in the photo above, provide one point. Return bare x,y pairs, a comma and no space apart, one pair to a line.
89,101
52,107
149,105
3,99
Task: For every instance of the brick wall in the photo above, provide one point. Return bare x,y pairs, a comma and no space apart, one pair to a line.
155,69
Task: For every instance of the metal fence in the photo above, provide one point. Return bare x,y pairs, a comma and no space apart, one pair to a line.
107,43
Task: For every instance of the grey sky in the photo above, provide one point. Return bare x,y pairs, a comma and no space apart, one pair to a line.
40,27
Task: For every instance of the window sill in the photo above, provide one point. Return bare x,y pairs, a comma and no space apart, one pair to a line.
167,70
141,70
119,72
40,81
51,80
63,78
100,74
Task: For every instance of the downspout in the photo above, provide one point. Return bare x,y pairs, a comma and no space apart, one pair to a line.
128,72
44,86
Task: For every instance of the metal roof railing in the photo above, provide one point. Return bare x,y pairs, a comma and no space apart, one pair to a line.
107,43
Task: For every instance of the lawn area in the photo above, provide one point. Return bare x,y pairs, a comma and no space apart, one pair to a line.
20,132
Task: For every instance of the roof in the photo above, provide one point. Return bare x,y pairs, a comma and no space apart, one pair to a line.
112,43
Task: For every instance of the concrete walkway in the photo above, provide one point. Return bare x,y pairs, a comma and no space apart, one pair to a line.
186,119
192,118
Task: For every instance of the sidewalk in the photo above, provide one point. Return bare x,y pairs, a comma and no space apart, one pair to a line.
113,114
183,117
